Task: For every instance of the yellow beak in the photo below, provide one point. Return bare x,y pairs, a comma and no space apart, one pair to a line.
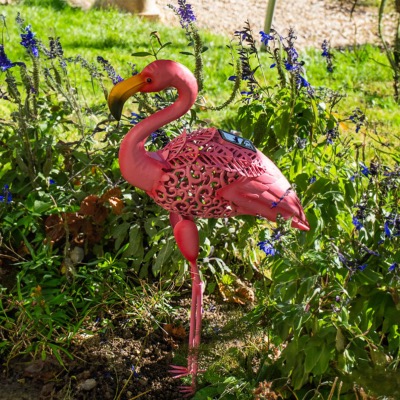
121,92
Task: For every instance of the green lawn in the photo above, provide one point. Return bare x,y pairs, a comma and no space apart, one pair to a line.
362,74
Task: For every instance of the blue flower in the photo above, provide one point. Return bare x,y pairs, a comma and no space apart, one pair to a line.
272,65
358,225
353,177
290,67
302,82
292,53
364,169
29,41
133,370
331,135
393,267
362,267
110,70
185,12
6,197
358,117
386,228
267,248
328,55
51,181
5,63
136,118
232,78
265,38
312,179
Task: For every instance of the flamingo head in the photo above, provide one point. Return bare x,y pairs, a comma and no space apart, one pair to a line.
155,77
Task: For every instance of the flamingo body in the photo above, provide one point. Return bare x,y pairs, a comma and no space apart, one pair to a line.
209,177
207,173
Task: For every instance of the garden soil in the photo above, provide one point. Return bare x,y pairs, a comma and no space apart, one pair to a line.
129,361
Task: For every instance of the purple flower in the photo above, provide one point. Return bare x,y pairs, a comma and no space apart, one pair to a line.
292,53
29,41
290,67
358,225
136,118
364,169
393,267
353,177
5,63
110,70
185,12
265,38
362,267
6,197
328,55
267,248
302,82
386,228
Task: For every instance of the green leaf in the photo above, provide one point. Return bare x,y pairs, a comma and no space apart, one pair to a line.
322,364
313,353
40,207
163,256
135,241
5,168
119,234
141,54
186,53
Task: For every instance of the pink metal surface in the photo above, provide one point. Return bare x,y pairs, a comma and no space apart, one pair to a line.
199,174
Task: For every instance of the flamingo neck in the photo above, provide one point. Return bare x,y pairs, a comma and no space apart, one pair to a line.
141,168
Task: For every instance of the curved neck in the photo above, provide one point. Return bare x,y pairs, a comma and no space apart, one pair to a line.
137,166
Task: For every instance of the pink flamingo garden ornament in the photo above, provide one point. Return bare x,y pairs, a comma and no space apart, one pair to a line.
207,173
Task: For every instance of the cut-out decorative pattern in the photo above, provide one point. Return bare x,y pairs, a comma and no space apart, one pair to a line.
201,163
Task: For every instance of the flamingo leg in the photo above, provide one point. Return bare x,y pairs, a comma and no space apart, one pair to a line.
187,239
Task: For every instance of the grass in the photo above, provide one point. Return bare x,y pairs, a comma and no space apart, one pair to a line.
362,73
115,36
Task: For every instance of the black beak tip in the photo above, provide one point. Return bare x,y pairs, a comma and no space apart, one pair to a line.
116,110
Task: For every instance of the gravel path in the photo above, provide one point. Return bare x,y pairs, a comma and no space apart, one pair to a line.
313,20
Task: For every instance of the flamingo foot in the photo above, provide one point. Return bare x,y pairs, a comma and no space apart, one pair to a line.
178,371
187,391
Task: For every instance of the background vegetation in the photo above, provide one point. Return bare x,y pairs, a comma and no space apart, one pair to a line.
76,241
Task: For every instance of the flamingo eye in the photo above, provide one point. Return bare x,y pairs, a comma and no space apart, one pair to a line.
148,80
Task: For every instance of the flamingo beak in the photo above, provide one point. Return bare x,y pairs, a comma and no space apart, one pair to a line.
121,92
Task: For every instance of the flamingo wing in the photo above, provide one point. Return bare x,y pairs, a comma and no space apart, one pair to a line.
208,147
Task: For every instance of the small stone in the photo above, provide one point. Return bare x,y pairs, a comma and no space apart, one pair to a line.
83,375
87,385
142,381
76,254
47,389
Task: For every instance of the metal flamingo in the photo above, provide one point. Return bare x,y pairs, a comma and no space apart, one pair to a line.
207,173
